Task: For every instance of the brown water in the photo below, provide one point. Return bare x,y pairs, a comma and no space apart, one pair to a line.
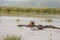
8,26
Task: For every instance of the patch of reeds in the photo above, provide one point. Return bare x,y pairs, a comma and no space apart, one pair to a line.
48,20
10,37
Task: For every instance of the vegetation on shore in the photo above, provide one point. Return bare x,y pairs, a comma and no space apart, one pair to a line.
10,37
28,11
48,20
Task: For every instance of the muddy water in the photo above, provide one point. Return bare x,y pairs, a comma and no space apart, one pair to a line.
8,26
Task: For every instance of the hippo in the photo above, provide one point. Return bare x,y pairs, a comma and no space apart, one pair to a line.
39,27
31,24
50,26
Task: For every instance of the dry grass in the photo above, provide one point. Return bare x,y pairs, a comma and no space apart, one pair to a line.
10,37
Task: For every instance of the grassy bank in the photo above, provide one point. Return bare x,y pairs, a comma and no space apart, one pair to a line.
28,11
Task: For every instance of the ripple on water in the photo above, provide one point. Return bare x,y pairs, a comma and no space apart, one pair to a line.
8,25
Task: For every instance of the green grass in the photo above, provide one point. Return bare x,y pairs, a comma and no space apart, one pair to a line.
28,11
7,37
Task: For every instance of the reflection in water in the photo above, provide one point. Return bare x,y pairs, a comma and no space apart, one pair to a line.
8,25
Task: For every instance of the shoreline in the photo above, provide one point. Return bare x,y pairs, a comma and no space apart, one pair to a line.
36,16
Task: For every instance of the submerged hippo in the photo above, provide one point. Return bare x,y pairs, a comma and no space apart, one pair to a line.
31,24
50,26
39,27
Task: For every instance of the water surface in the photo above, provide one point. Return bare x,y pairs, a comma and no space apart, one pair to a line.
8,26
